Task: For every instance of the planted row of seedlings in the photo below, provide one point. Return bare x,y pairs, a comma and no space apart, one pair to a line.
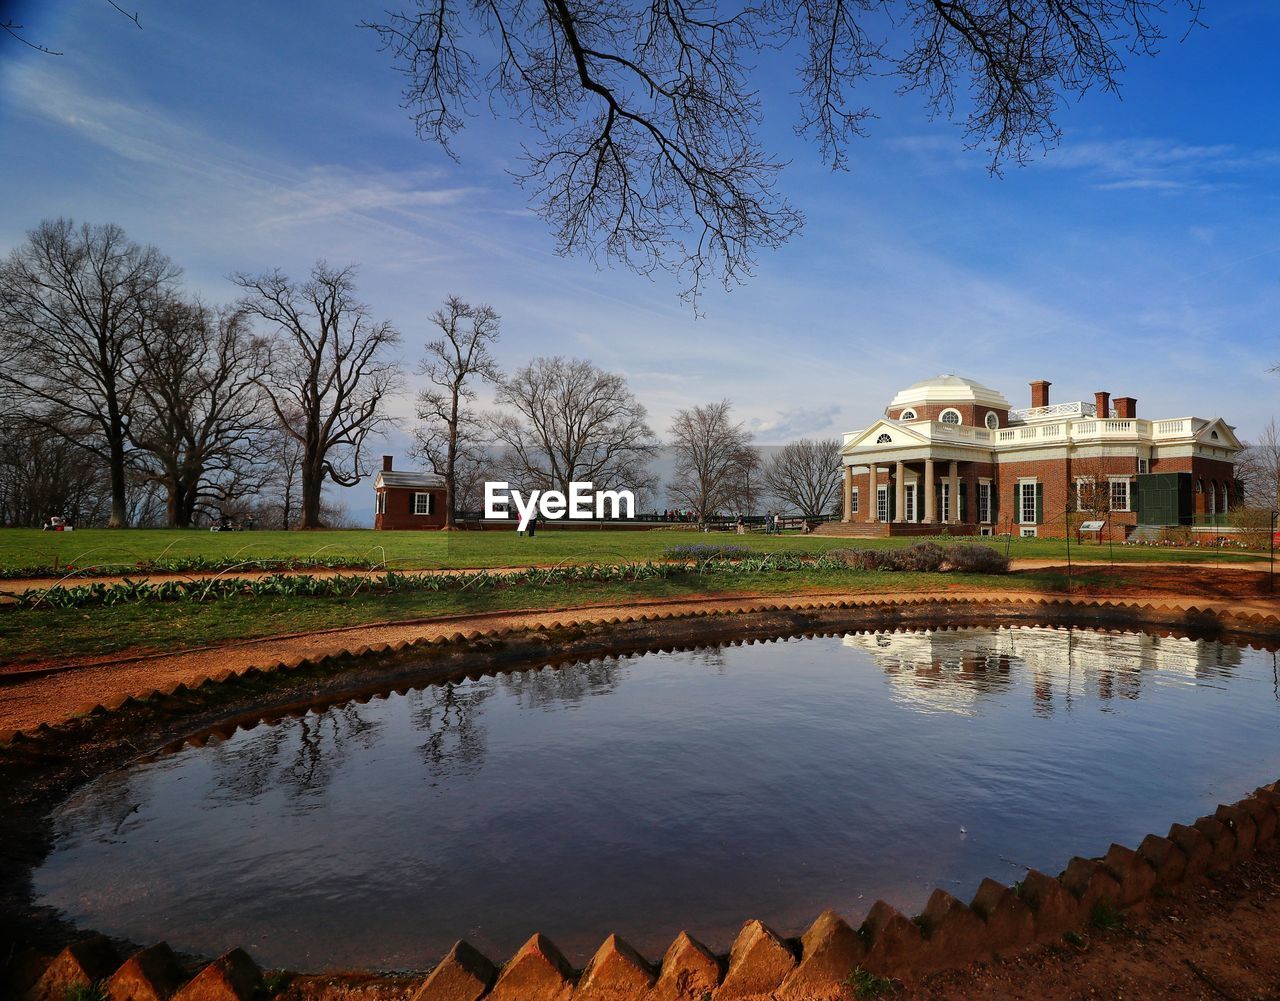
924,557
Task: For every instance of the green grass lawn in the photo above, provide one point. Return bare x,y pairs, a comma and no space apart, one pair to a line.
123,550
45,634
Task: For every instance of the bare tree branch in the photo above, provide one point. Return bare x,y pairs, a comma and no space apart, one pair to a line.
646,124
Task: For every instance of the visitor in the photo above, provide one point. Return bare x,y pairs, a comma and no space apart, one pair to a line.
533,526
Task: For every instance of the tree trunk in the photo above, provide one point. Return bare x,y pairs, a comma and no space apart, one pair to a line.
312,485
119,486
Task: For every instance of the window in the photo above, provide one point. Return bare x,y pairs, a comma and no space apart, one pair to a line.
993,420
422,503
1213,435
945,514
1027,503
853,503
1086,493
1144,466
984,502
950,417
381,506
1027,531
909,502
907,415
882,503
1120,495
884,439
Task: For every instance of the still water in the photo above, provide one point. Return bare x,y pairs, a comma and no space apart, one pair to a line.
645,794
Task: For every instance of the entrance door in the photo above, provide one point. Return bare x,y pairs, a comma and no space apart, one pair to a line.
909,496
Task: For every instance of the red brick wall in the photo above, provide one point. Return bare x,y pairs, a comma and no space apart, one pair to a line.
971,415
399,514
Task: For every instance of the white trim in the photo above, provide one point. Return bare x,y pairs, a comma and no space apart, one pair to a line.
431,502
1111,493
992,420
942,417
907,415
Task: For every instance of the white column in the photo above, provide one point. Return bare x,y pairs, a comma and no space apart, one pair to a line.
930,500
873,489
848,494
900,493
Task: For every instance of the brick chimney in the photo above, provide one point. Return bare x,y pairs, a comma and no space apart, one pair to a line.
1126,406
1102,401
386,463
1040,393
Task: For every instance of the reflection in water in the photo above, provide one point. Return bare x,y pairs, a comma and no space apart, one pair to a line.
652,793
950,670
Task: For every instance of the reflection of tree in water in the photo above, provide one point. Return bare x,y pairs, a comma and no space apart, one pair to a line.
555,686
300,755
107,804
450,716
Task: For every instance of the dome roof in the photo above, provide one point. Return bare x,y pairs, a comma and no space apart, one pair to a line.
948,389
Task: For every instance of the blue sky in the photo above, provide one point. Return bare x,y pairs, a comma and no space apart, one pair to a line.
1142,256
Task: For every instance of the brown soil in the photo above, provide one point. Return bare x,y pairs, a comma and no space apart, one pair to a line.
1215,938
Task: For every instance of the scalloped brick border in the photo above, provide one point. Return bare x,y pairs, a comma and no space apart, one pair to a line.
761,964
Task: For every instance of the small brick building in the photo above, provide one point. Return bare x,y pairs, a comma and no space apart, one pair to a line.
952,452
407,499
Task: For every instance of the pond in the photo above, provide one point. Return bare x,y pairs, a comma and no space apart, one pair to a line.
649,793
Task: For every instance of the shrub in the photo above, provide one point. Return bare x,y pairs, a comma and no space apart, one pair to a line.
923,557
970,558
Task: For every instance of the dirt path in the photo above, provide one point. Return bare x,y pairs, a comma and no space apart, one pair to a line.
27,702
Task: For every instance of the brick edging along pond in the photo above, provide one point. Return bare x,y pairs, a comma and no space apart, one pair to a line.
761,964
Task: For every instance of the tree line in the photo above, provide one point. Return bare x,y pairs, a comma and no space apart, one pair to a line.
125,399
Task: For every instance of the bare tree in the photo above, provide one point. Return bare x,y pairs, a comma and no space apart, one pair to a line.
748,488
567,420
647,118
1258,468
806,475
329,375
713,454
43,475
75,306
200,419
452,429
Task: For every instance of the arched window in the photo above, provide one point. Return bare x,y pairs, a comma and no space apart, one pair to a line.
884,439
907,415
993,420
1213,435
950,417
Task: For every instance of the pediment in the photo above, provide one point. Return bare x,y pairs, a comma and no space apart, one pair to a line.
1226,436
898,435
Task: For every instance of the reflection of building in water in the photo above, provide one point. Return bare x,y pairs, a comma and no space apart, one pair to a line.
949,670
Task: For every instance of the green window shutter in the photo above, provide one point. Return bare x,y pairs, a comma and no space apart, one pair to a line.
964,502
1039,503
1017,502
